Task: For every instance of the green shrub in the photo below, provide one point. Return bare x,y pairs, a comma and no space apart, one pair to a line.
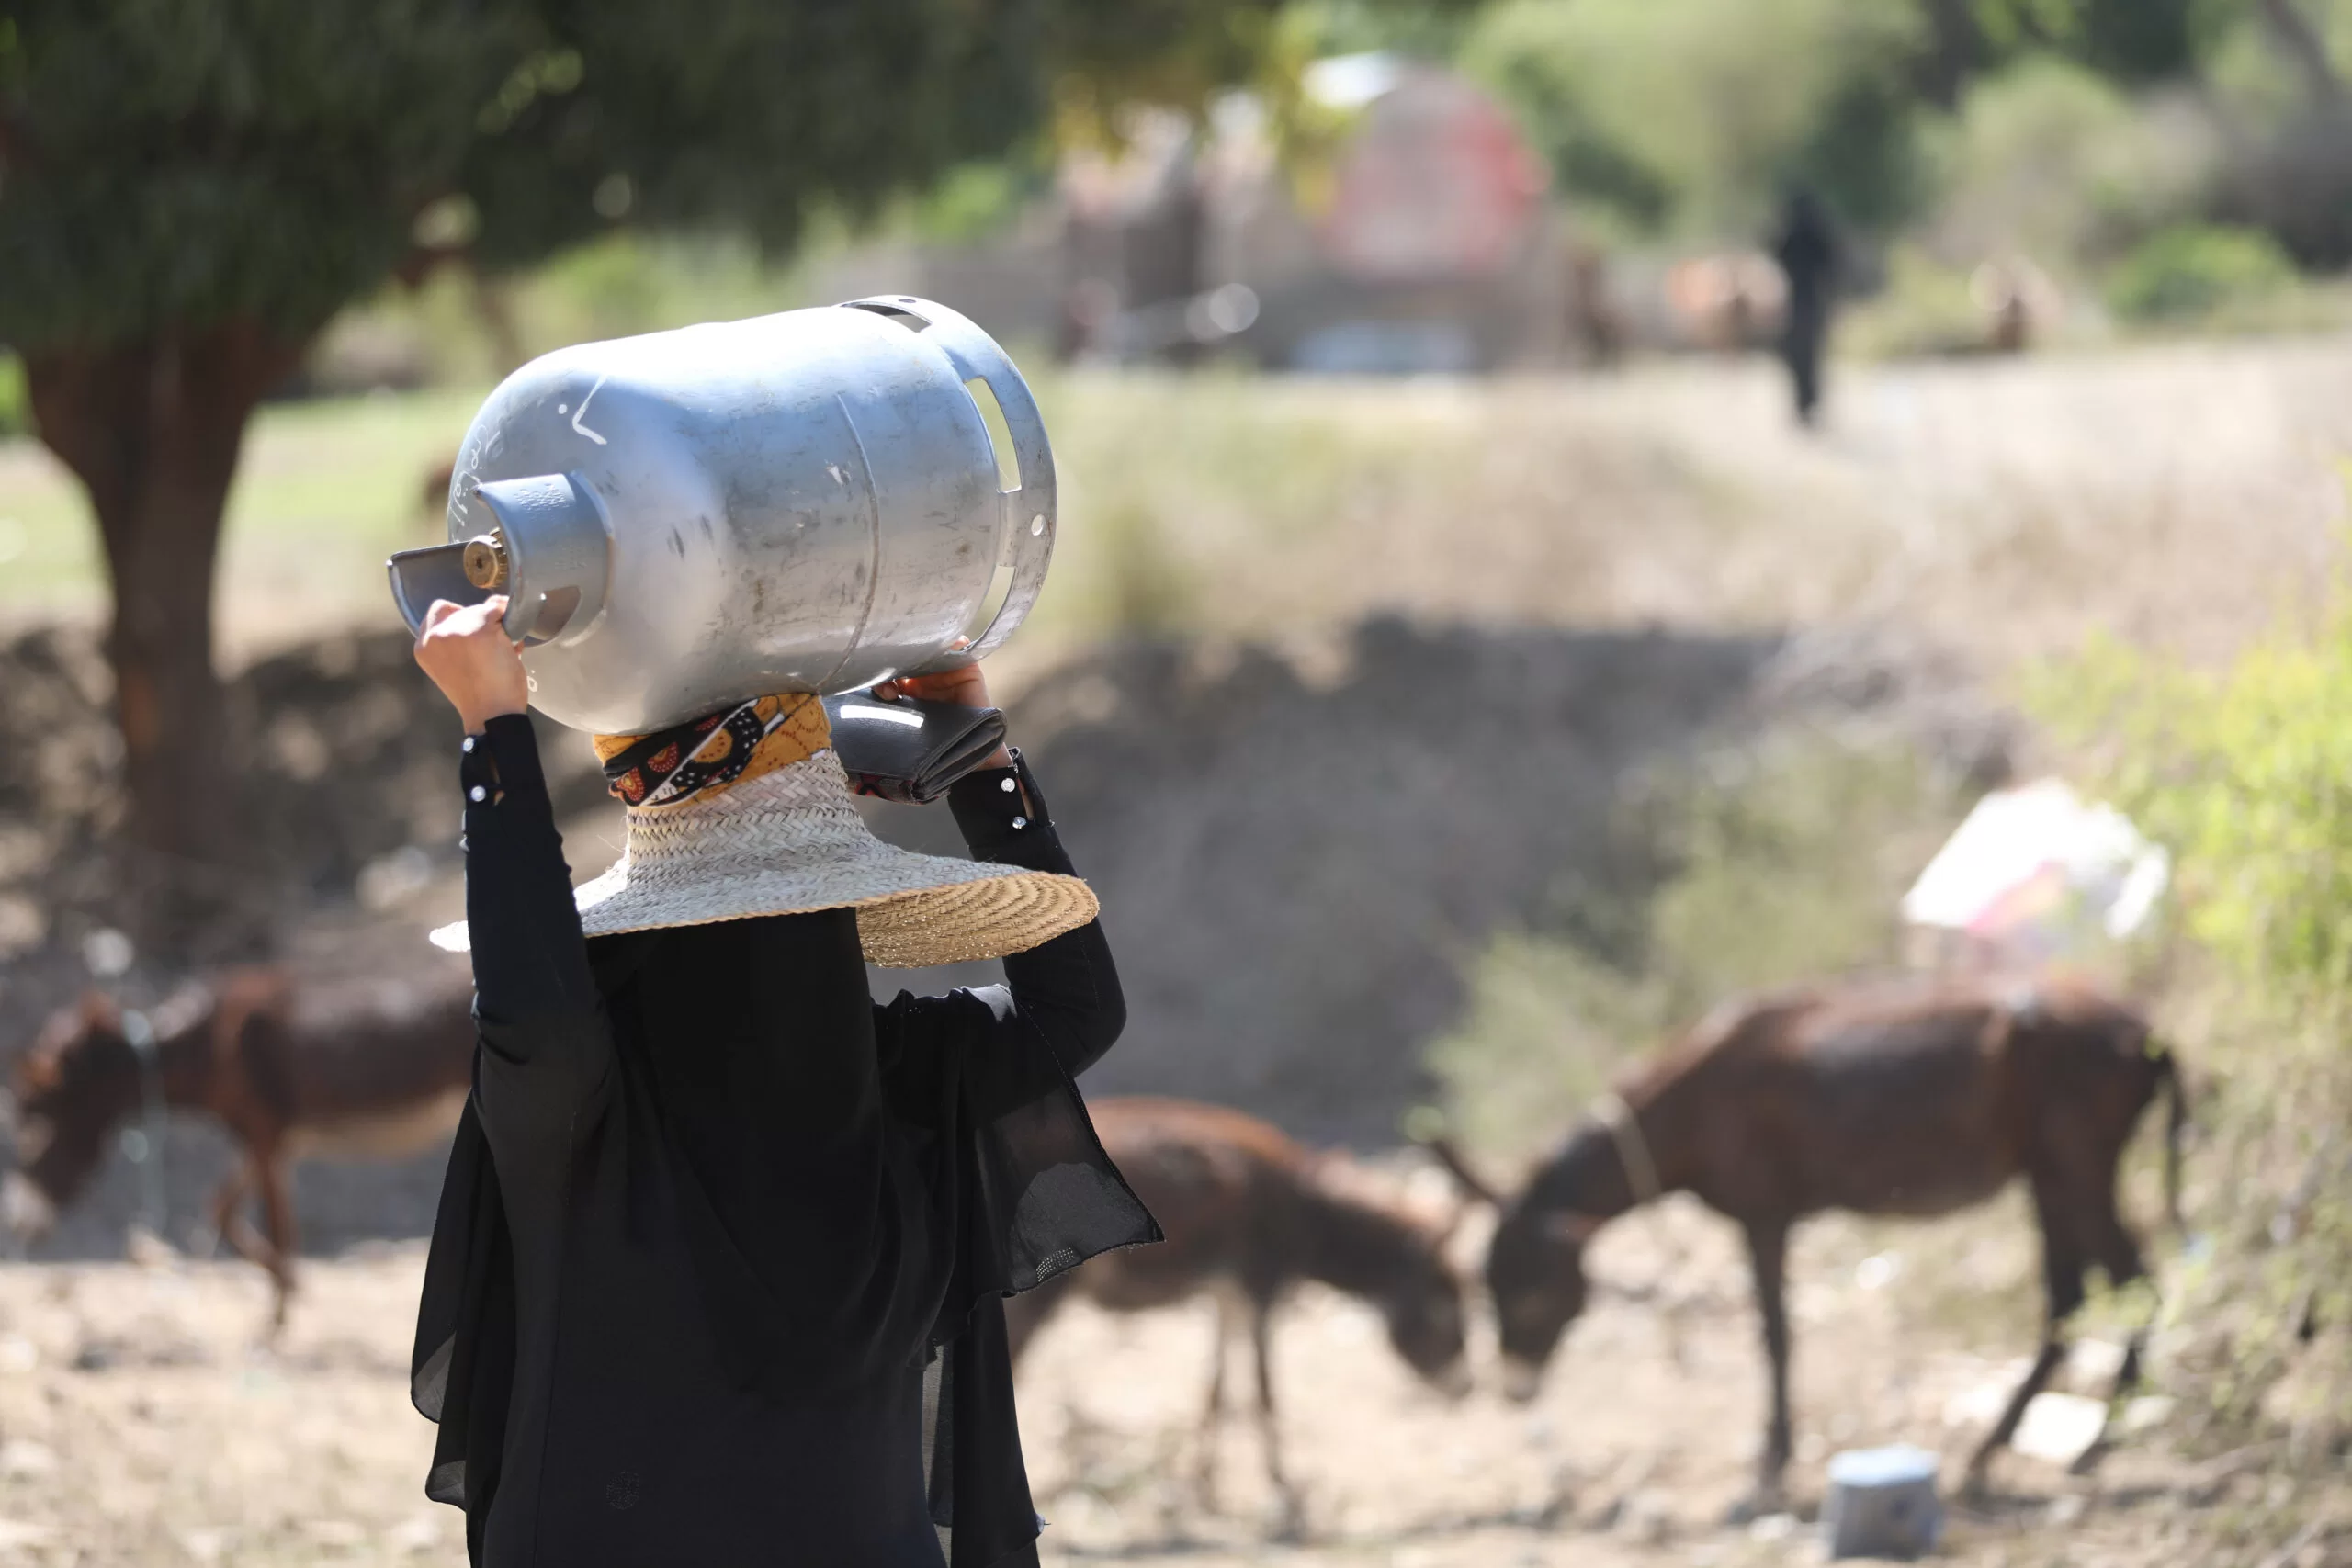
977,201
1925,307
2050,161
1688,116
1787,864
2194,272
1546,1025
2245,774
16,411
460,330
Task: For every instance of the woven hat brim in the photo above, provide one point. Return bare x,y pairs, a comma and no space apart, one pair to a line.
789,843
940,922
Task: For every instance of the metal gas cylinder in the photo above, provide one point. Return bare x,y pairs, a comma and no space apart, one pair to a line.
810,502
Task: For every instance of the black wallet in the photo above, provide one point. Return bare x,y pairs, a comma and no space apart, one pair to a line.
908,751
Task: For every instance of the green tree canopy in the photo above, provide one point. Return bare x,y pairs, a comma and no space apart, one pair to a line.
191,189
1692,114
1688,115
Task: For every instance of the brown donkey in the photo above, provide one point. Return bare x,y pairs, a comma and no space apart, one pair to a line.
1247,1213
1897,1099
376,1073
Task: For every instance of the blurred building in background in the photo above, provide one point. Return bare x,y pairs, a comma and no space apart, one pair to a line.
1414,236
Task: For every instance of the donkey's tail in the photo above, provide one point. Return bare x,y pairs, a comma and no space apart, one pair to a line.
2175,1126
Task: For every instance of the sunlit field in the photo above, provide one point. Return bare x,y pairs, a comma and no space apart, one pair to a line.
2176,495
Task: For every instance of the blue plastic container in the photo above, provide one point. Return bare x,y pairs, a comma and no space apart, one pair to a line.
1882,1503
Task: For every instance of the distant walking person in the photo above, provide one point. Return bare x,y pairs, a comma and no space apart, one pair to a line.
1808,250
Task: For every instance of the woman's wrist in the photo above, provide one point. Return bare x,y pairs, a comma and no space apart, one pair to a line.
503,759
477,723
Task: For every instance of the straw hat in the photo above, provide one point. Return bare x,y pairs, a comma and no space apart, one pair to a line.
781,837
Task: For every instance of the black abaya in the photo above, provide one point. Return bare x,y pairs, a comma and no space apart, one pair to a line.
713,1219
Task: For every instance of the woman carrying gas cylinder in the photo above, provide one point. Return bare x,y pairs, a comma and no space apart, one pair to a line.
718,1271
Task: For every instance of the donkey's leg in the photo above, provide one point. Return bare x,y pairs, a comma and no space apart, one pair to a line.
1213,1409
2053,1353
278,1218
229,1213
228,1205
1768,1253
2061,1269
2118,1252
1268,1426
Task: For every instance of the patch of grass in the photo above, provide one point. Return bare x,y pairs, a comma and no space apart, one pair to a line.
1547,1025
2198,272
49,546
457,330
16,411
2241,772
1990,508
1793,857
1171,481
1293,504
325,490
1788,861
1927,307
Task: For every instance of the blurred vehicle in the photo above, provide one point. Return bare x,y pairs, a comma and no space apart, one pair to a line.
1415,240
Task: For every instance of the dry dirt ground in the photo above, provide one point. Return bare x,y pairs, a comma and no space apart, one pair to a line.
141,1423
1997,513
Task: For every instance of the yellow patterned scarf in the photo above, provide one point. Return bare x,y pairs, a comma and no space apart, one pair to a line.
707,755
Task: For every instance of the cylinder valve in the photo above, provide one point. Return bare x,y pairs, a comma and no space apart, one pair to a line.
486,561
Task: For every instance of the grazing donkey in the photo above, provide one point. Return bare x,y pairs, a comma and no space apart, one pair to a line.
378,1073
1247,1213
1914,1099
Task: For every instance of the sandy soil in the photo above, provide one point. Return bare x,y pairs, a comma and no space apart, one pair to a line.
141,1423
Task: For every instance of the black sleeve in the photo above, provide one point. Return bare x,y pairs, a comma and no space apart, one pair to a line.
1063,993
1067,989
542,1021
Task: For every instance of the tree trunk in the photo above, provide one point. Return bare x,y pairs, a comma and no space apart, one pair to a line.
2306,51
1955,52
153,429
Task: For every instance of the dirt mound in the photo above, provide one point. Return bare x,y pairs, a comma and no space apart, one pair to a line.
345,758
348,798
1295,870
1294,875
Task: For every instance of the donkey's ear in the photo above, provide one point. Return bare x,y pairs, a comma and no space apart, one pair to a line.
183,1009
1442,1149
1570,1227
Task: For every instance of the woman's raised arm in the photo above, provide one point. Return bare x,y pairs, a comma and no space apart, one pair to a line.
535,1002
